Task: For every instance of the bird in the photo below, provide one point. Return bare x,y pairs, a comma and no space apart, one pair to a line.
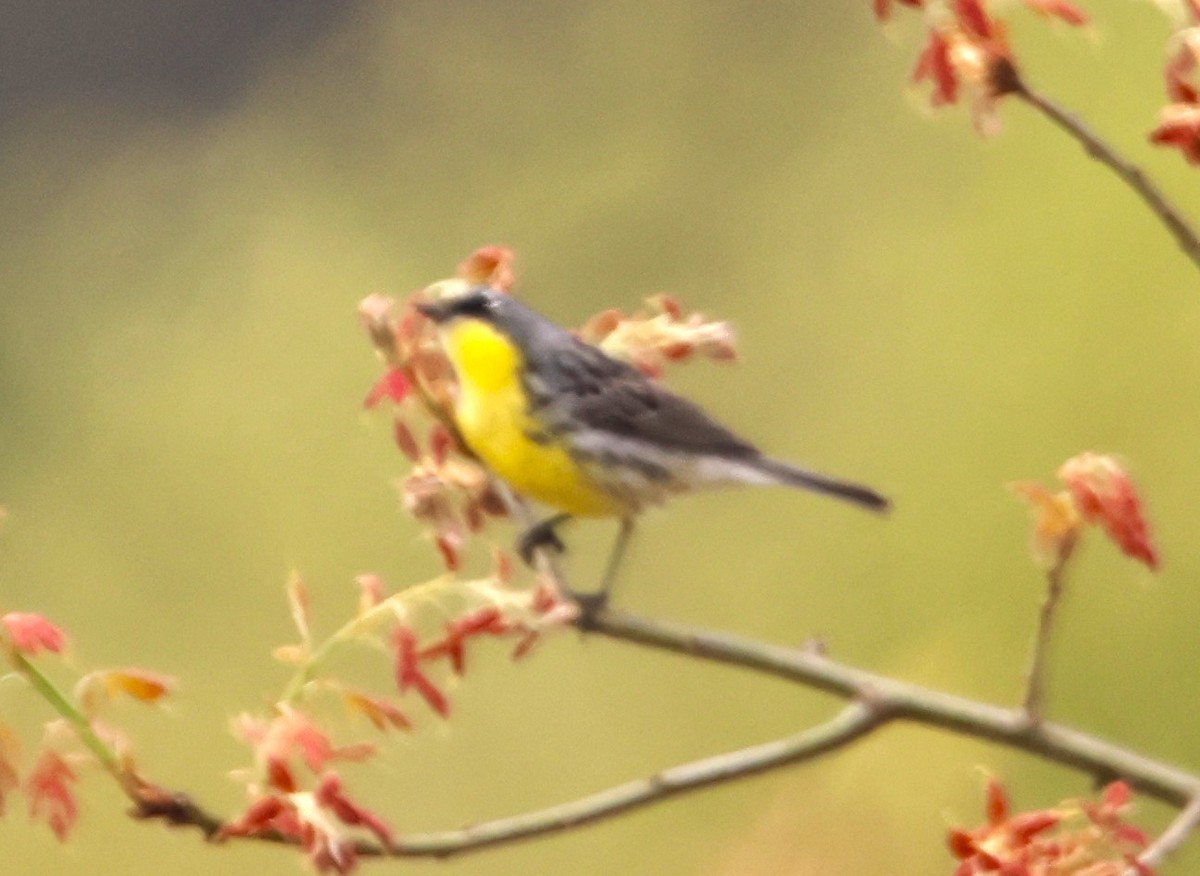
586,434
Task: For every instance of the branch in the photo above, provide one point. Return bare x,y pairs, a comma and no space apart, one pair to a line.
75,719
1035,680
849,725
1172,838
875,701
1132,175
852,723
903,700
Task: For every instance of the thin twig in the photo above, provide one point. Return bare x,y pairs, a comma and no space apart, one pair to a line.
1177,832
849,725
1053,742
1035,679
1132,175
876,700
75,719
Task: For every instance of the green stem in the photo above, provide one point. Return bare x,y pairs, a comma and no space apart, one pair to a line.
70,713
349,631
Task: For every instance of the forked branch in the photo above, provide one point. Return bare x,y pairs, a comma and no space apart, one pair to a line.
875,700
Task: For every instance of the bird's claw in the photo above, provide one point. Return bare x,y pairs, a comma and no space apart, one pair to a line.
539,536
590,607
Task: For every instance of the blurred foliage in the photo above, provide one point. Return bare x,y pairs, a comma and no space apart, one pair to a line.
195,196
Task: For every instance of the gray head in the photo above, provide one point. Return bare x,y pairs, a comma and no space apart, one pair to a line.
478,302
489,305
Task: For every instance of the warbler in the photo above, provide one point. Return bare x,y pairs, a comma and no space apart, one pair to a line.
569,426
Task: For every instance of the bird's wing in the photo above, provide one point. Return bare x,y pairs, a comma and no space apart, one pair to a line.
591,390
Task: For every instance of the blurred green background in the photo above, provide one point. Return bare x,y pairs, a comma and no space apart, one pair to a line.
194,197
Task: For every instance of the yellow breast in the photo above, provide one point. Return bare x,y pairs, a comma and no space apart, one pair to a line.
492,413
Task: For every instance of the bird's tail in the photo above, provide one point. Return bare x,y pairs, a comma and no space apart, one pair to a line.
792,476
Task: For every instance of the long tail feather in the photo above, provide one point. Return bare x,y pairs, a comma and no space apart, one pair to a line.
792,476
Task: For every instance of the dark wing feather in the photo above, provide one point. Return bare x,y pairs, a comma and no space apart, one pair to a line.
595,391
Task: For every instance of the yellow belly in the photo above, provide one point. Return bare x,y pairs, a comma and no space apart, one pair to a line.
495,428
491,413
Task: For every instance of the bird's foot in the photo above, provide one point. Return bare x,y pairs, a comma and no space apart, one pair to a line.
590,607
540,536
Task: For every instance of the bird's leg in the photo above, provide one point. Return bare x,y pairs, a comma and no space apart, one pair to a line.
614,558
591,603
541,535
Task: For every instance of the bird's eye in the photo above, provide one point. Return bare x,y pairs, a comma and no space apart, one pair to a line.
474,304
485,304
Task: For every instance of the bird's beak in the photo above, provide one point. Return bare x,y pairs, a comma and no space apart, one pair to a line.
438,311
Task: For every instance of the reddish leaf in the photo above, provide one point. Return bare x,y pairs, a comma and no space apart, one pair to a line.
405,440
330,795
407,657
960,843
289,734
490,265
260,816
972,15
1027,825
486,620
1179,128
677,351
448,548
313,743
1116,795
326,850
432,695
934,64
440,443
30,633
1105,495
451,646
1063,10
50,793
409,674
1074,837
996,807
1129,835
280,776
1182,70
394,385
